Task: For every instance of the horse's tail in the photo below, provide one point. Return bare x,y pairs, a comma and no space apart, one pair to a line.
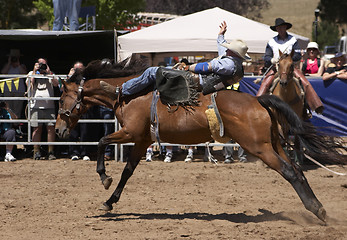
322,148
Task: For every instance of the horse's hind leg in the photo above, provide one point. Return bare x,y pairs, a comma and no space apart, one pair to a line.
293,174
138,151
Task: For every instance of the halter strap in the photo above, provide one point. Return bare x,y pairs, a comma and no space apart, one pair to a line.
77,103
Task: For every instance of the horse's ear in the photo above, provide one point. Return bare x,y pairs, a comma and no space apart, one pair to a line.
292,53
280,53
63,86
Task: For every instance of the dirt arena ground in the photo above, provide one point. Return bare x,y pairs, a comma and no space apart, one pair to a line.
60,199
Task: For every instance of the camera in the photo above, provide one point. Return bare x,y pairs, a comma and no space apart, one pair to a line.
42,67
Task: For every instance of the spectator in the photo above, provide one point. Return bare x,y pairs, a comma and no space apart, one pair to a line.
14,66
7,132
66,8
80,132
229,151
42,109
190,157
337,68
106,113
149,154
313,66
287,43
168,155
229,154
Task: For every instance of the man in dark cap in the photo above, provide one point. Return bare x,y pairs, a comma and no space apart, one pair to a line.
285,43
337,68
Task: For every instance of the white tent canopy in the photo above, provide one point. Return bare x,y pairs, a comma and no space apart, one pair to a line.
197,33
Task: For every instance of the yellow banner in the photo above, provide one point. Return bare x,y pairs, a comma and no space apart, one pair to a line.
2,86
16,83
9,84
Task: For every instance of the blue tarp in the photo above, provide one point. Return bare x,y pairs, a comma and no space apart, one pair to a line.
333,94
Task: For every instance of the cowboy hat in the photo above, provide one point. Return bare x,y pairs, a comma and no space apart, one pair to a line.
14,53
279,22
239,47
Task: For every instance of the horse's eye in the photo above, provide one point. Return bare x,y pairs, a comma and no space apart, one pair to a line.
61,101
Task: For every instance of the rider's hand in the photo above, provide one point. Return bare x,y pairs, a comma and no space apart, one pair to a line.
223,28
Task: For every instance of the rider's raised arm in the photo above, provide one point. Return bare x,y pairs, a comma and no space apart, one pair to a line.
221,39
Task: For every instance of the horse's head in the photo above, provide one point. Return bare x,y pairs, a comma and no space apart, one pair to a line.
285,68
70,108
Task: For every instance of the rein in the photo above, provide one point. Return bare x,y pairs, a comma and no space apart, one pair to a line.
77,102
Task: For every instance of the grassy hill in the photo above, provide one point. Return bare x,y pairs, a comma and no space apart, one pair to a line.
297,12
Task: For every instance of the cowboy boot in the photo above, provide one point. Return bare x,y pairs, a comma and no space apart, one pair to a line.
114,92
266,83
311,96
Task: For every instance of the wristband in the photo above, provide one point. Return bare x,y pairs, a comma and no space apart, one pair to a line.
202,68
337,72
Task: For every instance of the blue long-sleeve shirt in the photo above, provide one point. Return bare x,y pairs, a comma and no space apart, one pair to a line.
225,65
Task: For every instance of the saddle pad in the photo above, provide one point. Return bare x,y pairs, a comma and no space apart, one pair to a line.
214,126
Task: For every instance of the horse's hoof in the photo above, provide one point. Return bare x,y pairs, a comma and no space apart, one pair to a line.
107,182
322,214
105,207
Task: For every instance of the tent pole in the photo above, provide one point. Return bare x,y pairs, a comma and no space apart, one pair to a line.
115,45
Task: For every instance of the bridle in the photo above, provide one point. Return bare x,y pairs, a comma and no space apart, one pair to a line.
77,103
284,73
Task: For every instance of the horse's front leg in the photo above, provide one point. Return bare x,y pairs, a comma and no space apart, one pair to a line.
138,151
116,137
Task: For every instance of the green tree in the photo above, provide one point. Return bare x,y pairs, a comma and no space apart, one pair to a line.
110,13
327,34
116,13
45,8
333,11
247,8
17,14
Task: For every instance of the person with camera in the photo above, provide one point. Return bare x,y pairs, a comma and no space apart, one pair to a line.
14,66
41,86
7,133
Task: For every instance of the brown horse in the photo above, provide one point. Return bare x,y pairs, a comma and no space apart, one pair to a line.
248,120
288,88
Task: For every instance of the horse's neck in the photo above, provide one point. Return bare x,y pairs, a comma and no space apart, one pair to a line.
94,95
288,93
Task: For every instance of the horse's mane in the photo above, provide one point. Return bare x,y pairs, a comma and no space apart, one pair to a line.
107,68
